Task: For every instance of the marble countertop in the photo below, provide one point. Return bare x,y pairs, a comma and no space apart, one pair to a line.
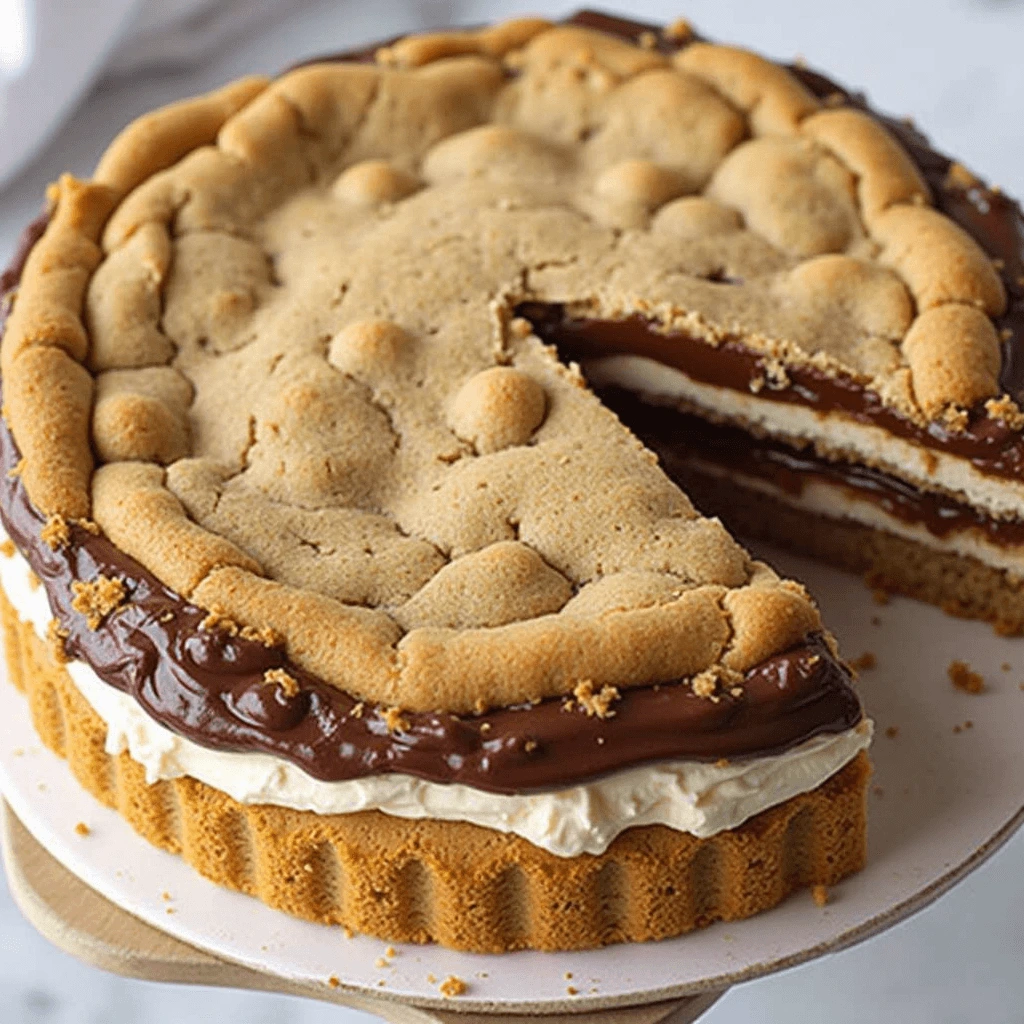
955,66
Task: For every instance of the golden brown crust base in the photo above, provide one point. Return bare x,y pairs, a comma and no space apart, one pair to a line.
958,584
463,886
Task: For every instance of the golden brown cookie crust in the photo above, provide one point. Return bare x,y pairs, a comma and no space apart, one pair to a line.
407,486
457,884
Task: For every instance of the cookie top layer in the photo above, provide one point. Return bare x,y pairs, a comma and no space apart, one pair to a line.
281,317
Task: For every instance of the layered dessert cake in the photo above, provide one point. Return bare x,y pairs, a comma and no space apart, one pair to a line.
329,568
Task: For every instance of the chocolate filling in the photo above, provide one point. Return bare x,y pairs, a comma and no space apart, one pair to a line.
683,441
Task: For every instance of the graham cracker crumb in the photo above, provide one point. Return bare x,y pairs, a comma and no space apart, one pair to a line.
431,980
568,975
968,724
876,620
165,896
880,596
957,729
395,720
381,983
170,910
820,894
333,981
736,691
865,662
530,746
1005,666
7,548
571,990
98,598
287,682
55,533
959,176
357,710
381,962
1006,409
82,829
706,683
216,619
679,31
892,732
55,637
264,635
596,704
964,678
16,470
453,986
391,951
485,726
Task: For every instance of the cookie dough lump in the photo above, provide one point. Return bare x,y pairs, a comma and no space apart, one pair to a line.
502,583
498,408
374,181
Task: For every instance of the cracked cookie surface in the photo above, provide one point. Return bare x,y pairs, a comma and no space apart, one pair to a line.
288,332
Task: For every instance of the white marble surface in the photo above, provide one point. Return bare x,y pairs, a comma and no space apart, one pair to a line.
955,66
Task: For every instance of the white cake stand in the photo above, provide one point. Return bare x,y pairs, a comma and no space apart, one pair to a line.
946,795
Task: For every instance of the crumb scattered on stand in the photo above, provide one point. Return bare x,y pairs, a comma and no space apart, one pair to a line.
381,962
892,732
431,980
171,910
1006,666
571,990
876,620
166,897
333,981
391,951
381,983
880,596
963,677
82,829
866,662
452,986
568,975
820,894
878,791
19,751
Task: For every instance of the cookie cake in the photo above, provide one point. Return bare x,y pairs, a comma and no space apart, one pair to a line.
344,417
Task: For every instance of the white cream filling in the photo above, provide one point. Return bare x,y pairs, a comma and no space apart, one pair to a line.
836,502
689,796
927,468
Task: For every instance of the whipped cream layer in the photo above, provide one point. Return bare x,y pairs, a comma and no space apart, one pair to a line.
690,796
833,434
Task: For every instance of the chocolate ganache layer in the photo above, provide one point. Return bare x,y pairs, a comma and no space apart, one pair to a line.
208,685
683,441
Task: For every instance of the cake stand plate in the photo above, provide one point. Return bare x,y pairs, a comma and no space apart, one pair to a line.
946,794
